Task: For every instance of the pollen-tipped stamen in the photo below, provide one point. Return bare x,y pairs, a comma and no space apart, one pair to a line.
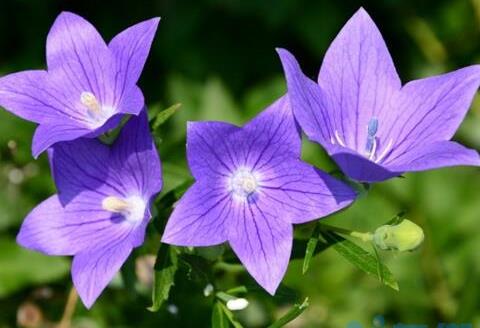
243,183
90,101
131,208
371,144
115,205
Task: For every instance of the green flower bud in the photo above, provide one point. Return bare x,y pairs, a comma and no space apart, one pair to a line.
405,236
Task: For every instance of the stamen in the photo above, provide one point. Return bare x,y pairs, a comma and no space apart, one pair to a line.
371,145
91,102
372,127
385,151
115,205
131,208
339,140
243,183
374,149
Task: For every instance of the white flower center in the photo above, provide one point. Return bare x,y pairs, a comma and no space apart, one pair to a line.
243,183
131,208
96,111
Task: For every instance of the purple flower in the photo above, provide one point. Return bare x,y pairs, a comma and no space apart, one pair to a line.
373,127
87,85
102,207
250,187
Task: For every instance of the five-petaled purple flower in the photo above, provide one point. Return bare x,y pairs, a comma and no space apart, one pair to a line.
250,187
86,85
102,207
373,127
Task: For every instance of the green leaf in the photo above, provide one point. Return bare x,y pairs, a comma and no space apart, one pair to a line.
310,250
20,268
164,205
362,259
229,315
165,268
291,315
219,319
164,115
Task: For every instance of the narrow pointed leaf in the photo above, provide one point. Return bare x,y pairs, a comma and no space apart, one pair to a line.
165,268
362,259
229,315
164,115
309,252
291,315
219,319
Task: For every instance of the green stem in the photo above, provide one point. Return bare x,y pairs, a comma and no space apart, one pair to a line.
363,236
228,267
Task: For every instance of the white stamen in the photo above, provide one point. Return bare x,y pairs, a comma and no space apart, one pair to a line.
332,140
91,102
237,304
385,151
339,140
243,183
131,208
374,149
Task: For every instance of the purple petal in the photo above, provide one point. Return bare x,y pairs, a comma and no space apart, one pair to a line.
131,48
135,156
81,166
33,96
94,268
211,150
270,137
199,217
55,229
77,52
307,101
132,102
436,155
46,135
430,110
302,193
262,241
359,79
359,168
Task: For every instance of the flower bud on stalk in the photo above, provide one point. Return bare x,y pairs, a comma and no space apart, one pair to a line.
405,236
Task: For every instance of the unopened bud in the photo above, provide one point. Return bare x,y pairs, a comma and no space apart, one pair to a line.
208,290
405,236
237,304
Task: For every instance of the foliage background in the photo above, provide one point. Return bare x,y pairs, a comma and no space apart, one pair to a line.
217,58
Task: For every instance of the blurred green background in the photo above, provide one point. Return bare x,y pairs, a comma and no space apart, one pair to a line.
217,58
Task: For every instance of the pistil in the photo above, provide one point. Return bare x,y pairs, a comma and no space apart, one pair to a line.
90,101
243,183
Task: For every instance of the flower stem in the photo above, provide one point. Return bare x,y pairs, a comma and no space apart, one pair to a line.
363,236
66,321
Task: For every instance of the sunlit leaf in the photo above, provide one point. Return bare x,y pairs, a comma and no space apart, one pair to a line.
164,115
291,315
362,259
165,268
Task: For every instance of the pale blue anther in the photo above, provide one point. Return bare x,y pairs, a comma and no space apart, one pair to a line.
372,131
372,127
